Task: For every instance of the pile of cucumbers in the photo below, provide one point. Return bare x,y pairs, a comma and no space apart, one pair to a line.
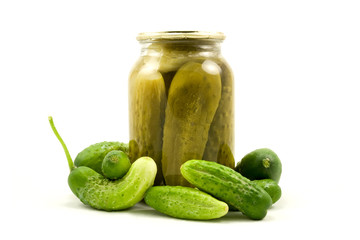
220,188
103,177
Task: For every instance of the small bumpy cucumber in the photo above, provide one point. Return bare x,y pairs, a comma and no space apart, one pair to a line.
94,155
148,113
101,193
271,187
194,96
229,186
115,164
185,202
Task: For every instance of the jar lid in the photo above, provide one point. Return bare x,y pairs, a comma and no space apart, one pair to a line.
179,35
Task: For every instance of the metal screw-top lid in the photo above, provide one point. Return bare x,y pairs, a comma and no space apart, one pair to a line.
180,35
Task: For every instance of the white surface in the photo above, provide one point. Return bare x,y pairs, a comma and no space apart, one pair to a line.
296,66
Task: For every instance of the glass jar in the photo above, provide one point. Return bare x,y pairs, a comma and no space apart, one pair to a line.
181,102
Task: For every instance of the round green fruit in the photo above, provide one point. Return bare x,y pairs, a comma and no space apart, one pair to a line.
259,164
115,164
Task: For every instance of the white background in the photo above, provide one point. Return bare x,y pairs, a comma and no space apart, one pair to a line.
296,66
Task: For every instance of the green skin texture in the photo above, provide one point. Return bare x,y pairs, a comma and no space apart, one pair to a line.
221,133
271,187
194,96
148,113
101,193
115,164
220,144
259,164
185,202
94,155
229,186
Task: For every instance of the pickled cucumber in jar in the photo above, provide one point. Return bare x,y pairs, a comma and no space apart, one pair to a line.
181,103
193,99
220,145
147,105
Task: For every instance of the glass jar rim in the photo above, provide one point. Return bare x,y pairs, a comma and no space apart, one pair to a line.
180,35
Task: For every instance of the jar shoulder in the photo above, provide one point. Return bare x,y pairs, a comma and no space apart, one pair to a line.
167,65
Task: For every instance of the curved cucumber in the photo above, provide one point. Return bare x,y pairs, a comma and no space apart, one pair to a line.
148,116
221,132
194,96
185,202
93,155
229,186
101,193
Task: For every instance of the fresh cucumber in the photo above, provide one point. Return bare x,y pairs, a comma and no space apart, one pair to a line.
261,163
271,187
185,202
229,186
94,155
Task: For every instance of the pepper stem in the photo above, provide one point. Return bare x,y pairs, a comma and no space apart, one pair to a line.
70,161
